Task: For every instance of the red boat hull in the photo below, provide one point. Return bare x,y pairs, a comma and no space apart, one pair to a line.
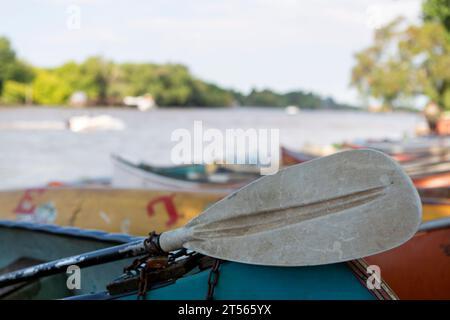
420,268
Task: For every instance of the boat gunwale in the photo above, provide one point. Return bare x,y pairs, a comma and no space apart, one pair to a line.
88,234
175,183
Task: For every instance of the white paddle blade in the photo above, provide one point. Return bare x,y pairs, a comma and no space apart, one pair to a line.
346,206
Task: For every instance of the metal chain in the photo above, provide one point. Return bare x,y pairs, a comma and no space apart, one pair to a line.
213,279
142,285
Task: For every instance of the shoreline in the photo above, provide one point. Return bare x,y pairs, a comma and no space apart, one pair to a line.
196,108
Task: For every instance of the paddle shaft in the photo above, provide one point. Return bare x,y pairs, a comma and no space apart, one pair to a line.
128,250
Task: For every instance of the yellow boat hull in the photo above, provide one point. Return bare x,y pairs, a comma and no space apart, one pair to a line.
435,211
129,211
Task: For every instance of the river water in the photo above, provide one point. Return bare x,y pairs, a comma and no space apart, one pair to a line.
35,148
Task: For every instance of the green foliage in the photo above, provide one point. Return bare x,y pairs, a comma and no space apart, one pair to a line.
10,67
262,98
107,83
428,47
15,92
49,89
206,94
307,100
7,60
437,11
172,85
405,62
93,76
301,99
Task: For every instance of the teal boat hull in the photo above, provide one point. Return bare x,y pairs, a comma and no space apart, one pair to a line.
249,282
236,281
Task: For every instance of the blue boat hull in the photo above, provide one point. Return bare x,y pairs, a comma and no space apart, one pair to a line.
243,281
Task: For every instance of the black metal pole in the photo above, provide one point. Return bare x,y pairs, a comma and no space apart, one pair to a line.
128,250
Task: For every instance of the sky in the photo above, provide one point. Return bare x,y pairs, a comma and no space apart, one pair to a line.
240,44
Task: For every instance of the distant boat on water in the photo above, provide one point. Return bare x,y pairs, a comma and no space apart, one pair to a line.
143,103
292,110
94,123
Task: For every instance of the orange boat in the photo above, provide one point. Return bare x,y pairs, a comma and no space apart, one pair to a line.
290,157
420,268
437,180
400,157
433,179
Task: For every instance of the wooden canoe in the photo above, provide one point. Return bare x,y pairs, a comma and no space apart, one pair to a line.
435,203
418,145
126,210
420,268
435,209
128,174
436,180
129,211
426,170
418,155
291,157
238,281
25,244
435,193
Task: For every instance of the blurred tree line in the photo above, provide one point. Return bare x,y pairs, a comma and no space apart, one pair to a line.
408,61
107,83
305,100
